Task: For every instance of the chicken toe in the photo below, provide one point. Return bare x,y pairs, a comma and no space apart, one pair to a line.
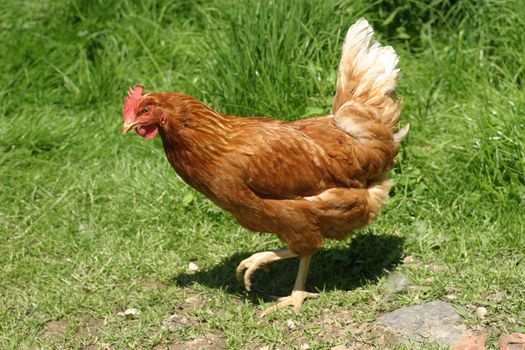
296,300
298,295
259,260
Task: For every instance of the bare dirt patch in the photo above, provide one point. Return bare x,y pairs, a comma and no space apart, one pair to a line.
210,341
337,328
90,327
54,328
177,321
152,285
183,318
192,302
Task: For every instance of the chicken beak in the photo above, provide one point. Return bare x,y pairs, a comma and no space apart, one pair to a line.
128,126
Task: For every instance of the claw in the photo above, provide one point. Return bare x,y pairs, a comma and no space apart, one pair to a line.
259,261
295,300
248,266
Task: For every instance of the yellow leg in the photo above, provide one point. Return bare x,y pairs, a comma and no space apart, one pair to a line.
259,260
298,295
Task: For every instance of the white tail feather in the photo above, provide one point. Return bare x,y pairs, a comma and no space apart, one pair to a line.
366,81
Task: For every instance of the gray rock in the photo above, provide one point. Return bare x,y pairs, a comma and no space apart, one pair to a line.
435,321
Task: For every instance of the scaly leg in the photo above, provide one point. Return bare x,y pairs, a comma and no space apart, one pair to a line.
298,293
260,260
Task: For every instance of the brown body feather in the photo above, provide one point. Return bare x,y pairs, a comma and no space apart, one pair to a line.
303,180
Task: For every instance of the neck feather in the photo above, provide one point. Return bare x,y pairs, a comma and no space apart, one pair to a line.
195,134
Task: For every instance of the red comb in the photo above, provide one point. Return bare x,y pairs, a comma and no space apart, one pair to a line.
134,95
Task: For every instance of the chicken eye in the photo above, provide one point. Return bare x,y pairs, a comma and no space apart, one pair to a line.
145,110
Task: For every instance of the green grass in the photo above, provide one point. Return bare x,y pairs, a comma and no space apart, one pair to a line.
93,223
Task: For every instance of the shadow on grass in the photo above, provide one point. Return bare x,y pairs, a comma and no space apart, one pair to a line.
364,260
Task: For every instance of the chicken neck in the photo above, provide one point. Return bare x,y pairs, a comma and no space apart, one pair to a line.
194,139
196,128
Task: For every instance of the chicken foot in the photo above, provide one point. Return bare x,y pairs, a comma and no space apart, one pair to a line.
259,260
299,294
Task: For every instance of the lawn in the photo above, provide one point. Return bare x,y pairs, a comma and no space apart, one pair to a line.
93,223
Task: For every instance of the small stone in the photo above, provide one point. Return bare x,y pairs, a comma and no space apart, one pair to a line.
265,347
192,267
131,313
450,297
290,325
305,346
408,259
481,312
339,347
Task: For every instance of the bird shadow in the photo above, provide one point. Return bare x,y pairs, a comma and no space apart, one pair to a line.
363,260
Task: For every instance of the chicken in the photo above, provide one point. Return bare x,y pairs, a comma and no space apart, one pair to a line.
305,180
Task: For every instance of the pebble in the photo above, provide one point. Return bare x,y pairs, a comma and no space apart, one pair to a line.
290,325
408,259
481,312
192,267
130,313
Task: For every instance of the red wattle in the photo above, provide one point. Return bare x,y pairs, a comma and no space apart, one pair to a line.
147,131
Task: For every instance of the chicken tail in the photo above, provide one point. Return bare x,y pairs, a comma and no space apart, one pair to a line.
366,81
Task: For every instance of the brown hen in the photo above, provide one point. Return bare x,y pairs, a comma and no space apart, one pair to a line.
304,181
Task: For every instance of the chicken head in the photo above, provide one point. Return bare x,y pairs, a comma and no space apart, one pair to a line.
141,114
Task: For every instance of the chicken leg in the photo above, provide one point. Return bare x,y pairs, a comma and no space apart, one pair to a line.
298,295
259,260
